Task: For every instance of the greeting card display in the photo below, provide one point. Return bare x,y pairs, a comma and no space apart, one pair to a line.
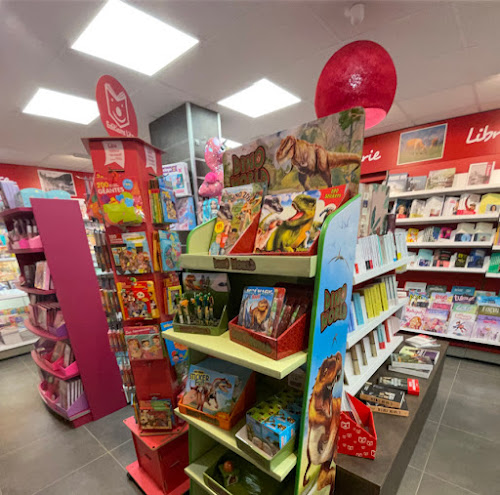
120,199
292,222
130,253
238,208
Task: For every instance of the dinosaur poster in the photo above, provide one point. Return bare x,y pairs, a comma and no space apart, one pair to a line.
316,467
319,154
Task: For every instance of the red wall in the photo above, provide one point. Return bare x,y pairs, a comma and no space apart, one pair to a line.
27,176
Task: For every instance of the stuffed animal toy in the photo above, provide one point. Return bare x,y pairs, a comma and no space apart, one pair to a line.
214,181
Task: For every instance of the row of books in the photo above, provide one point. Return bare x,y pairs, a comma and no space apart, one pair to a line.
64,392
436,206
359,356
462,312
414,361
38,276
53,352
465,232
373,299
444,258
375,251
478,174
46,315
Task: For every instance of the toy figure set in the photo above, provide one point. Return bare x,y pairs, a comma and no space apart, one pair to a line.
143,343
130,253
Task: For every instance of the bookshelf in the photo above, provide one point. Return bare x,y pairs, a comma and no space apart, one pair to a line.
446,191
62,233
451,244
449,269
359,278
453,337
451,219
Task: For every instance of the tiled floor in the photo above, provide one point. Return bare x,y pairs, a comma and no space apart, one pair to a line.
457,453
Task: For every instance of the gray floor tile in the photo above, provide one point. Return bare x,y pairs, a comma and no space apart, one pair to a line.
444,388
424,444
26,470
478,367
477,386
125,454
11,365
409,483
110,430
472,415
466,460
104,475
451,363
434,486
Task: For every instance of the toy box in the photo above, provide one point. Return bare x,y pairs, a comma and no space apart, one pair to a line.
218,392
178,176
156,415
143,342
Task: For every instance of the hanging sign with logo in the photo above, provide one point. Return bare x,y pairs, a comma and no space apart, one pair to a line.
116,109
114,153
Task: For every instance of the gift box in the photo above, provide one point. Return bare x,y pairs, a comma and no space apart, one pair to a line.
355,439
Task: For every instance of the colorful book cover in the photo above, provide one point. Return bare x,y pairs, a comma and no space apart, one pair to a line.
461,260
170,250
487,299
143,343
445,234
257,303
403,208
167,201
412,235
424,257
186,217
131,254
479,173
490,203
239,206
291,222
461,289
138,300
178,176
431,289
439,179
461,324
217,282
314,155
476,258
435,320
487,328
413,317
468,204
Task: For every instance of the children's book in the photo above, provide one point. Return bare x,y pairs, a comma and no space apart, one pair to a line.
130,253
412,235
450,206
468,204
170,250
434,289
487,328
256,309
397,182
435,320
413,317
439,179
417,183
292,222
417,208
479,173
143,342
186,217
217,282
461,323
476,258
424,257
238,207
138,300
461,289
490,203
178,176
403,208
433,206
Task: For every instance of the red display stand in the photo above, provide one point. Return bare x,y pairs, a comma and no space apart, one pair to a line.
161,459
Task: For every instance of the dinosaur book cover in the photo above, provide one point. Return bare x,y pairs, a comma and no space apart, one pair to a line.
318,154
238,208
291,222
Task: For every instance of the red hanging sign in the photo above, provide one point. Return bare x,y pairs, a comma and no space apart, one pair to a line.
116,109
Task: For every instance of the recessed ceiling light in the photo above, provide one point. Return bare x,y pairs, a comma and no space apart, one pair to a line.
127,36
229,143
260,98
48,103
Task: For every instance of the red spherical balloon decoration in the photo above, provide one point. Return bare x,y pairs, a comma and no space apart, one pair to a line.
360,74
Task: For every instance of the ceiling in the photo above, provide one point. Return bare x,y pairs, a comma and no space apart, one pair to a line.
446,57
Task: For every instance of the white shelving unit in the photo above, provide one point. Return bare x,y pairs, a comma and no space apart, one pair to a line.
448,270
446,191
452,337
372,323
376,272
480,217
449,244
492,275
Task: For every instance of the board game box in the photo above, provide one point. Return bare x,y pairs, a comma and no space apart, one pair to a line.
130,253
238,208
292,222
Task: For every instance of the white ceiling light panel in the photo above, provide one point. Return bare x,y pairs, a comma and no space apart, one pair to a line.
62,106
129,37
261,98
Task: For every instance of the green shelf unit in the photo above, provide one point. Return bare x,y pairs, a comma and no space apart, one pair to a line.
224,348
228,439
196,469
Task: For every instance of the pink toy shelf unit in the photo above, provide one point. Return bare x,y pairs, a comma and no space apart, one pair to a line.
80,379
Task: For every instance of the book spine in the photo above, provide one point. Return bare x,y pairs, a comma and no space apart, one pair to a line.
389,410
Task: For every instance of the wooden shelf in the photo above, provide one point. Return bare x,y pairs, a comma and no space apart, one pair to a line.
376,272
449,244
446,270
357,381
33,290
372,323
224,348
483,217
447,191
228,440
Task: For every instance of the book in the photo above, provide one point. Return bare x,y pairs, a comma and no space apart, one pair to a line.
461,260
435,320
476,258
130,251
450,206
431,288
397,182
138,299
461,321
414,359
417,183
178,176
494,266
425,257
464,232
463,290
441,258
490,203
479,173
186,217
422,341
256,309
402,208
382,395
433,206
412,235
487,328
395,411
413,317
291,222
468,204
411,371
417,208
170,250
444,234
143,342
440,179
483,232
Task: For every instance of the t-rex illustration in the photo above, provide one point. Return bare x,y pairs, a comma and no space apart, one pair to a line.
292,233
312,159
258,315
221,384
324,418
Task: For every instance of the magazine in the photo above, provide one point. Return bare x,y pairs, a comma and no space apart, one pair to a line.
479,173
440,179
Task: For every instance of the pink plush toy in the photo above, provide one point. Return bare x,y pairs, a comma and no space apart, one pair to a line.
213,183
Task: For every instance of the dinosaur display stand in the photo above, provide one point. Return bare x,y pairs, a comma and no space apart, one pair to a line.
311,469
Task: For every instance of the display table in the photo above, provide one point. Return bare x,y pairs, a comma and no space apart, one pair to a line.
396,440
